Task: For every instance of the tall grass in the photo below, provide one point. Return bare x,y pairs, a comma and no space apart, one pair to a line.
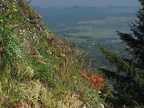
38,69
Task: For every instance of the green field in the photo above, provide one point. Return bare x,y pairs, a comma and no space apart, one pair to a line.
99,33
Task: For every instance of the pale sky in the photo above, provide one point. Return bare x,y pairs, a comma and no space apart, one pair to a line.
96,3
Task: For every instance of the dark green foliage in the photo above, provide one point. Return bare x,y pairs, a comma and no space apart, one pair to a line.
128,78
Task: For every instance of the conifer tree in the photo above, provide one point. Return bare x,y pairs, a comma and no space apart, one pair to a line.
128,79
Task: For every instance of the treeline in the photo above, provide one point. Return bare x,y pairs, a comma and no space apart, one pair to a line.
128,78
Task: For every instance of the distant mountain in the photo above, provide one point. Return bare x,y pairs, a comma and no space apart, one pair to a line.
74,15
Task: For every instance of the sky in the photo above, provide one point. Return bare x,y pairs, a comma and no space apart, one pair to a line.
96,3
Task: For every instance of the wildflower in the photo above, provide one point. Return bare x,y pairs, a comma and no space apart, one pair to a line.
13,6
99,92
62,55
22,32
74,77
56,58
84,74
89,95
92,86
48,51
1,20
53,38
100,79
93,76
94,80
15,10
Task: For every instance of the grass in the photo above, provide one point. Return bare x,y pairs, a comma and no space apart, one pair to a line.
39,70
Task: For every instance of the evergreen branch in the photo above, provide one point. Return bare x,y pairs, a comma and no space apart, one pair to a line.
123,66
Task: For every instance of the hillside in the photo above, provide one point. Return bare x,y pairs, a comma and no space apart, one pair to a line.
39,70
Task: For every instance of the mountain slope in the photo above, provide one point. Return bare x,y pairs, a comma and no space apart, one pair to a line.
39,70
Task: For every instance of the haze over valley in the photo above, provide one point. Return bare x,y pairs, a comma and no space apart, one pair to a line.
91,26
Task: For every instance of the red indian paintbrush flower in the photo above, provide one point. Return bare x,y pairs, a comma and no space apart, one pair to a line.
84,74
93,78
100,79
53,38
92,86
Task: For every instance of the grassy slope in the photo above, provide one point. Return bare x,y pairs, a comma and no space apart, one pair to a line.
38,70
